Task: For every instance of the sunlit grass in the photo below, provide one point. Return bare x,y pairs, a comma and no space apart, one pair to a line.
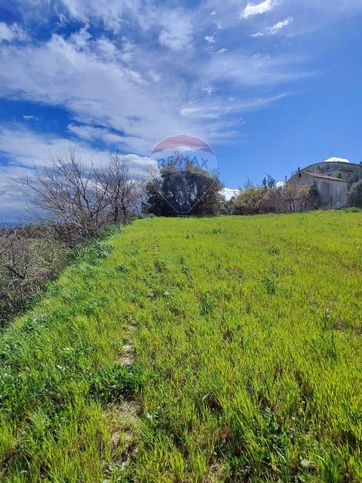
247,363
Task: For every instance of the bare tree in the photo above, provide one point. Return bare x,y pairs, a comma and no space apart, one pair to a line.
66,190
123,192
84,199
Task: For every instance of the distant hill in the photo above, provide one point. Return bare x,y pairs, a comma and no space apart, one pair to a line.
9,224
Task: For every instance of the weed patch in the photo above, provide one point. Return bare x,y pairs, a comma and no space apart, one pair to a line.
116,383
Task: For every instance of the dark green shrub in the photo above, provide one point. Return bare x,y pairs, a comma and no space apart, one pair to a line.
355,195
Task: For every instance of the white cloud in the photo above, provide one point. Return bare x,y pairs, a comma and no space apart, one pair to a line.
208,90
254,70
87,84
177,31
280,25
121,143
155,76
13,206
174,40
30,118
253,9
126,92
210,39
111,13
127,50
199,113
91,133
12,32
99,88
37,149
257,34
275,29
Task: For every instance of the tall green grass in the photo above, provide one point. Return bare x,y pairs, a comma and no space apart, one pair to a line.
247,356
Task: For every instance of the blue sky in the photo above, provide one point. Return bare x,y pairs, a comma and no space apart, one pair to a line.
270,84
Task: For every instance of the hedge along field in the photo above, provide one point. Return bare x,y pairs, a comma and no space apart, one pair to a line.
247,362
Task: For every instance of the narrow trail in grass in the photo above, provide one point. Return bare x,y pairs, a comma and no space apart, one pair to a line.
128,350
68,385
124,414
196,350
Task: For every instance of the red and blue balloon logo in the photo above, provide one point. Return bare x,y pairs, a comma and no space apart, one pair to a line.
186,167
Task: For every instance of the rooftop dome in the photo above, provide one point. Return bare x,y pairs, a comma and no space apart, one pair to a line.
336,160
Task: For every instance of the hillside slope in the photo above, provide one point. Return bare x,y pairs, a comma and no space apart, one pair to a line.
221,349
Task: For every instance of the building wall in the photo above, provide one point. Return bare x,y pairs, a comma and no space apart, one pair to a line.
333,192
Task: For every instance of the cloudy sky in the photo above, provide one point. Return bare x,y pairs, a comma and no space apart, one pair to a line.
270,84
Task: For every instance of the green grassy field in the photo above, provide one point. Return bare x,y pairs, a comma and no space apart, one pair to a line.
199,350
